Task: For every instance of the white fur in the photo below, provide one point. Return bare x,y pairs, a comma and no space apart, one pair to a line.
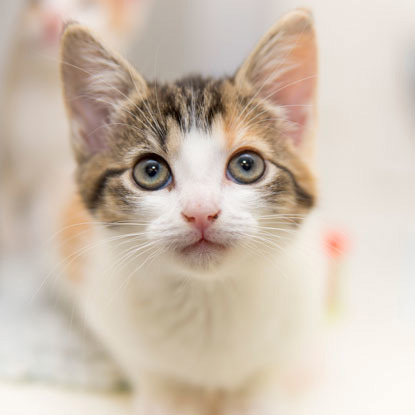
217,327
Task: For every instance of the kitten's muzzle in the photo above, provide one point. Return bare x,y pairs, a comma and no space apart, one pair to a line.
203,246
201,219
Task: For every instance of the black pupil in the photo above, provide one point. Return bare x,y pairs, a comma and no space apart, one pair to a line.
152,168
246,162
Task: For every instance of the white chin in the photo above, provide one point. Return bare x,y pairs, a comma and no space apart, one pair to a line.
203,254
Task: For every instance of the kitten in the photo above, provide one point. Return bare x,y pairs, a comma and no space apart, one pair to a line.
33,116
198,263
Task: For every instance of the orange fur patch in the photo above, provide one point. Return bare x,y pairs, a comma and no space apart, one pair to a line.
77,233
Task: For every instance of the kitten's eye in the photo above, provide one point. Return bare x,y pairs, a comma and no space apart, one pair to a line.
246,167
152,173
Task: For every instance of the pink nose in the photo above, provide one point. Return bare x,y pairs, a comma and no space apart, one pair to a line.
201,218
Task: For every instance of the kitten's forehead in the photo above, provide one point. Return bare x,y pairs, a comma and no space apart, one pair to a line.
196,110
202,156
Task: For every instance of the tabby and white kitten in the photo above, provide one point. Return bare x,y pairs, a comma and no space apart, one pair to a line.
199,262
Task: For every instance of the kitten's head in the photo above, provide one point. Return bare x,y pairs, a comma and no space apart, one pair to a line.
208,167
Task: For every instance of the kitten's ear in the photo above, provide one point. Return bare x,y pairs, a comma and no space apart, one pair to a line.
282,69
95,82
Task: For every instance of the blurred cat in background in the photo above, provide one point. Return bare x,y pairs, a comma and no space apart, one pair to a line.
34,127
115,21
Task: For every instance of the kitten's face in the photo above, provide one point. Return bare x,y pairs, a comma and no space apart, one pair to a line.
205,167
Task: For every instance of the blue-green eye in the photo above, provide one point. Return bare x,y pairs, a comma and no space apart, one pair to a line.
246,167
152,173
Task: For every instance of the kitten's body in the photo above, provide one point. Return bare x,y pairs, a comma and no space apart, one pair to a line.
216,334
209,287
252,324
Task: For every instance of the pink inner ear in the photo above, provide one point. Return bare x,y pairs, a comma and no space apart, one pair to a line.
296,97
93,117
294,88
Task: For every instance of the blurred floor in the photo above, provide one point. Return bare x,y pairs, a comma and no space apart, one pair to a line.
367,373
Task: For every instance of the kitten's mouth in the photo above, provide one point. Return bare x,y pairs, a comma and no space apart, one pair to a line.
203,246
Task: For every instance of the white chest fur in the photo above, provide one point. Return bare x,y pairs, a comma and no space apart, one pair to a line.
254,311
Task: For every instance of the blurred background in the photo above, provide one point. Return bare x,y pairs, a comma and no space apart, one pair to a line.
365,159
